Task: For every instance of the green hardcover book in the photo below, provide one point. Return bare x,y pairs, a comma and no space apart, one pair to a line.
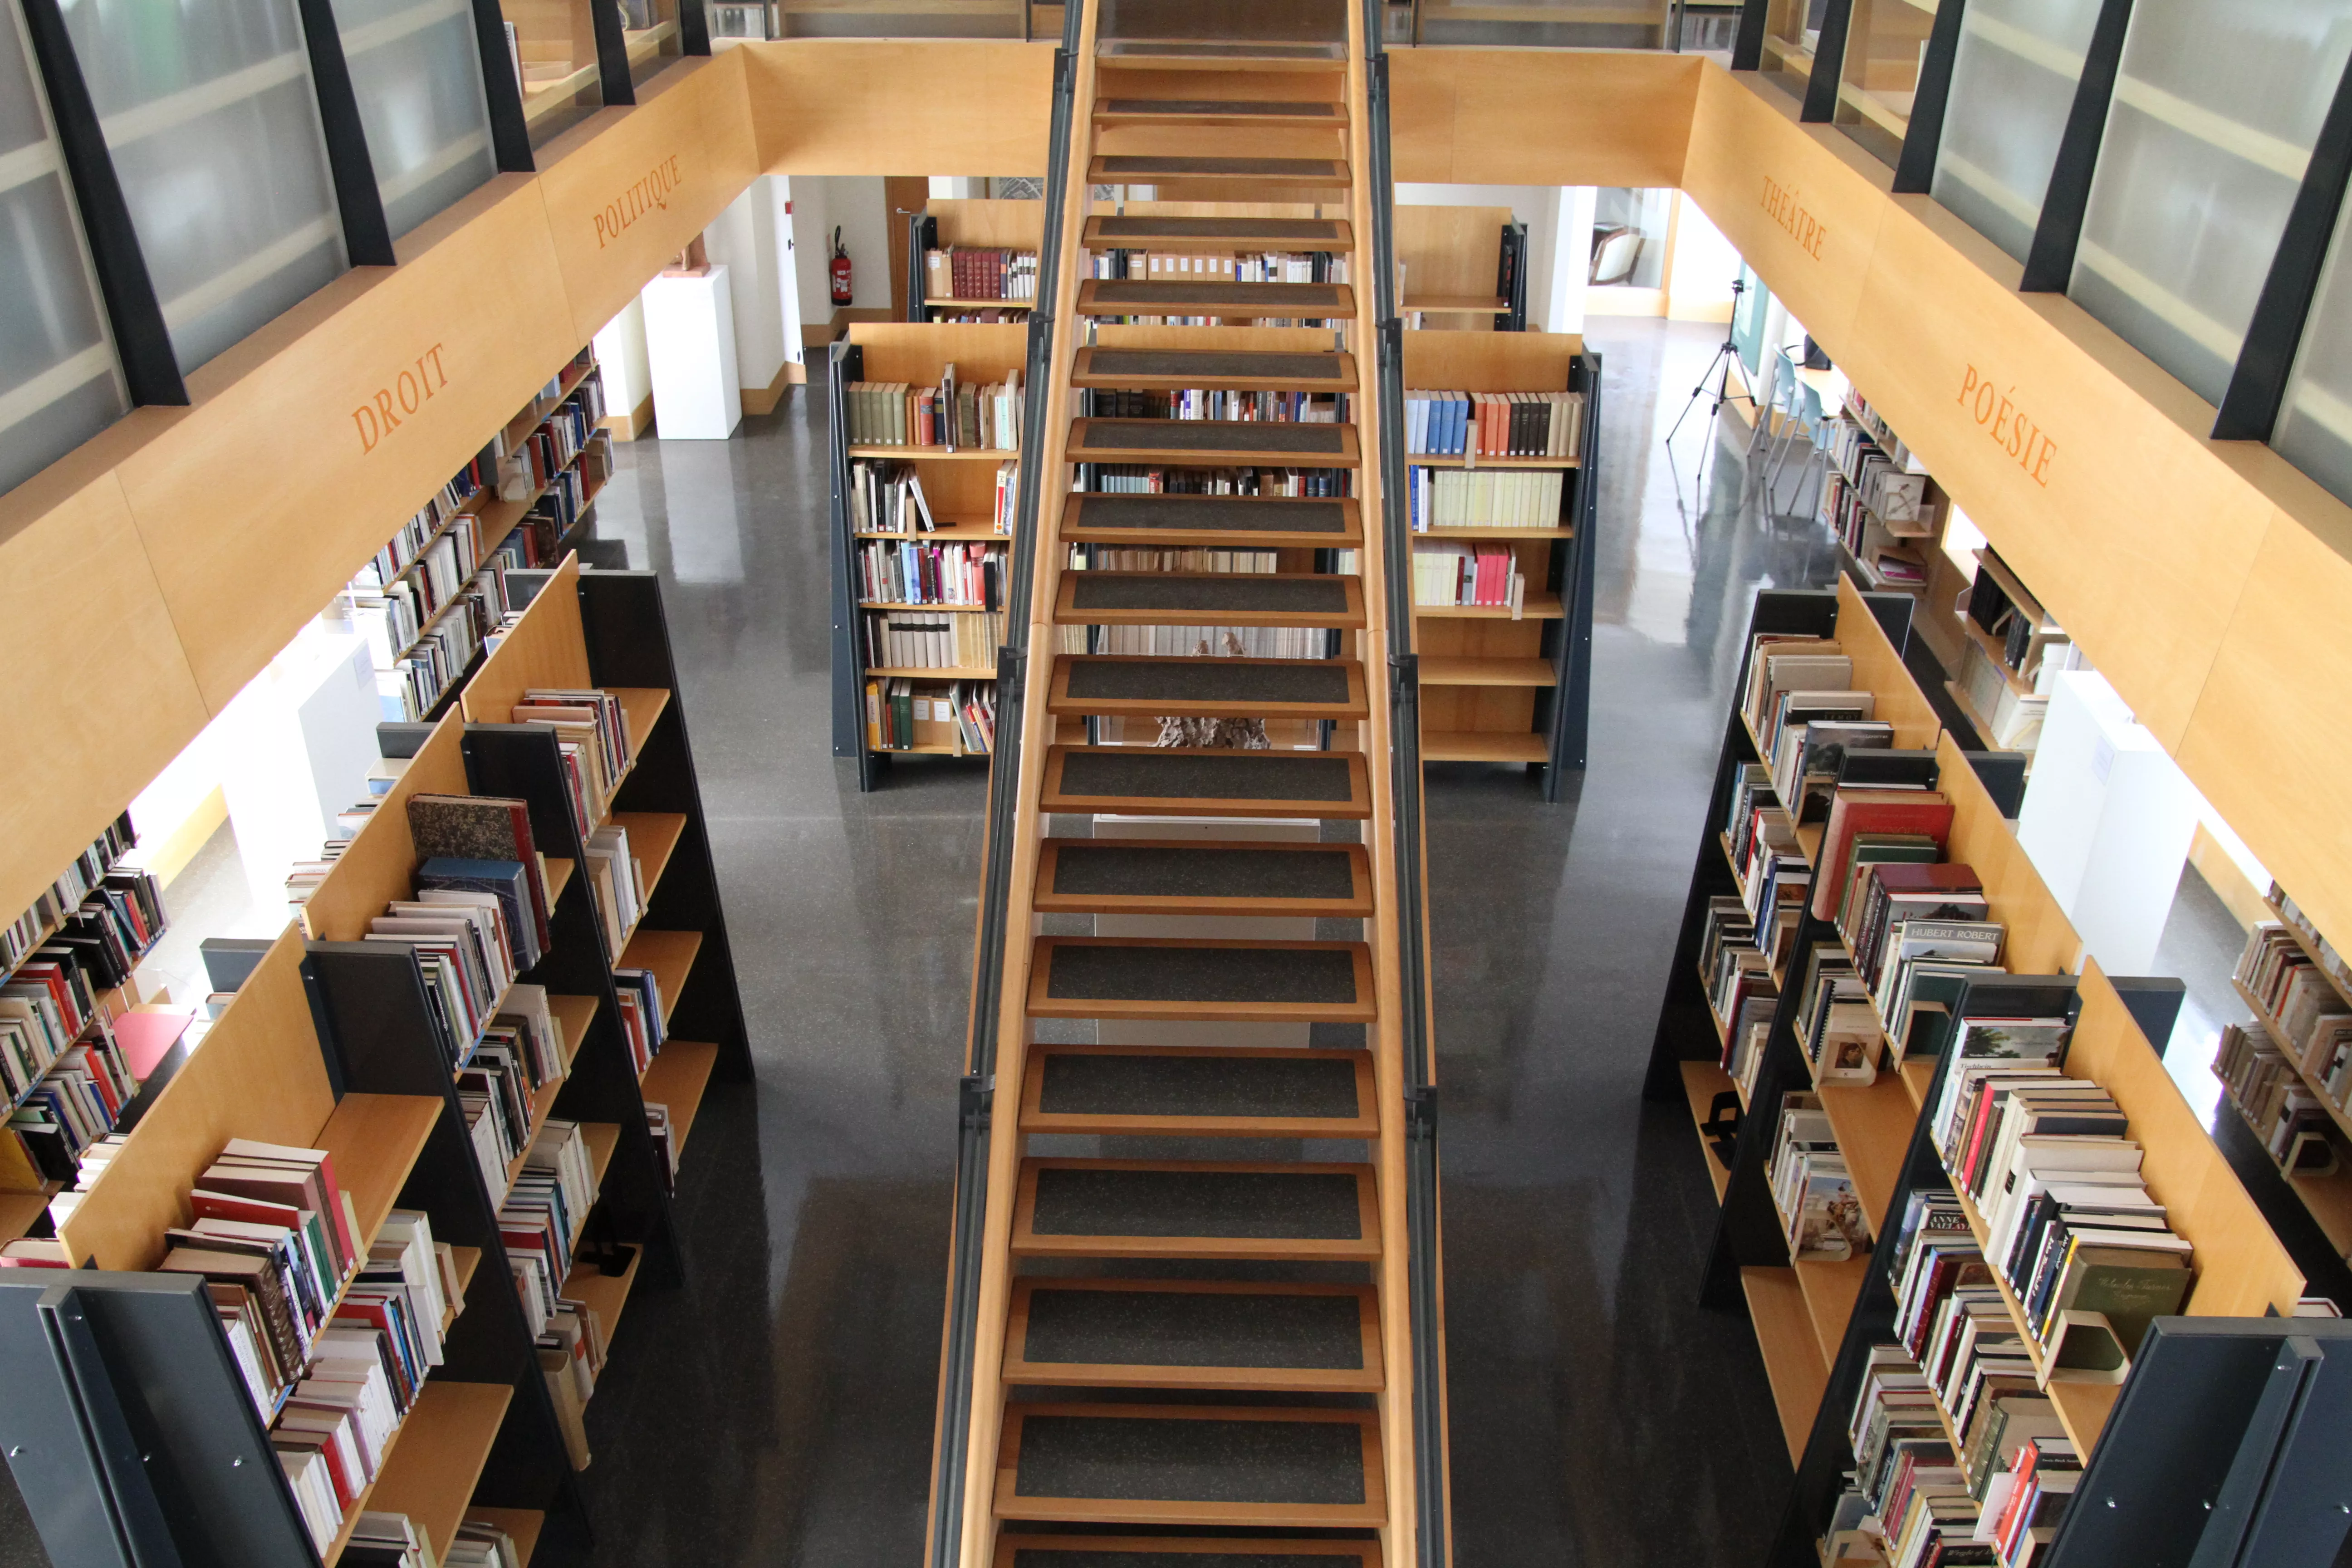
2127,1285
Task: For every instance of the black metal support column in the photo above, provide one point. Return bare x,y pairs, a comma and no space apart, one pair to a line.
1829,64
510,132
2050,264
1923,133
367,237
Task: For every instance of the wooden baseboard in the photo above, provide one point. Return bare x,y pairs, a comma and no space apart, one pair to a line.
759,400
632,426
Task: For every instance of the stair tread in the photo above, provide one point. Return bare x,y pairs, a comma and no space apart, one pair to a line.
1239,522
1202,977
1143,1334
1220,598
1182,296
1284,111
1092,1208
1109,876
1140,686
1211,232
1187,782
1214,443
1235,370
1207,1091
1170,1464
1181,51
1118,168
1177,1552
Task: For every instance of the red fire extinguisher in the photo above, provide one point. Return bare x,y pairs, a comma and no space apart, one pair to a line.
840,270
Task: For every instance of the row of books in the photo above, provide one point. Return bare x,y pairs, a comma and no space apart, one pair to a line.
543,1214
1197,403
909,639
467,929
47,914
2292,1121
1459,575
591,731
1495,424
1821,1212
55,993
1253,267
1483,498
644,1024
413,679
522,1052
1739,985
980,315
616,882
404,547
895,574
560,503
528,465
1858,409
903,712
976,273
950,415
394,611
2300,1004
1190,560
1143,479
396,1541
2323,951
1893,490
2069,1224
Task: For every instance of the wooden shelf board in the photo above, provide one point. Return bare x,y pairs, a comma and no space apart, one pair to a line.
17,1213
1462,461
467,1260
522,1526
603,1137
2343,988
1456,304
2327,1194
1918,1076
2083,1410
607,1293
1537,607
938,454
1702,1081
559,876
1792,1353
1493,530
1998,654
1829,1290
653,839
2293,1059
641,707
375,1139
1874,1126
926,749
981,304
951,673
444,1442
1484,746
677,1077
1443,670
573,1015
669,955
1809,841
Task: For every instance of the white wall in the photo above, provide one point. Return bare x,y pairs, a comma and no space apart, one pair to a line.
743,238
1700,270
855,203
621,353
1571,262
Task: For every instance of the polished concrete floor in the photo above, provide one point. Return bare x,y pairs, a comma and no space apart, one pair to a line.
777,1409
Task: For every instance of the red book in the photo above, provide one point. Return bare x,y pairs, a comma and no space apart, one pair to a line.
1854,811
147,1038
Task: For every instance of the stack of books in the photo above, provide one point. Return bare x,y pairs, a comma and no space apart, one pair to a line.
2023,1519
642,1021
592,736
2291,1122
1821,1214
2300,1004
1905,1480
540,1215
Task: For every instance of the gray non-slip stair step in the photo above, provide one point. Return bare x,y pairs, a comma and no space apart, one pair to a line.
1199,1092
1202,978
1252,23
1226,235
1222,370
1214,297
1236,523
1164,54
1209,598
1187,876
1152,781
1191,1465
1214,443
1177,1552
1152,1333
1211,1209
1282,111
1160,168
1140,687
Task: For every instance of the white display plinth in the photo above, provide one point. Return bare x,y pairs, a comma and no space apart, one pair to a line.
690,348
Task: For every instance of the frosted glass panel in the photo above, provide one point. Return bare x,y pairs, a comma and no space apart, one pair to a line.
59,382
554,48
2315,428
418,77
209,114
2216,108
1885,45
2013,80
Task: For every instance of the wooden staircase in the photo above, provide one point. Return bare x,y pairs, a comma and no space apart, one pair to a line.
1193,1341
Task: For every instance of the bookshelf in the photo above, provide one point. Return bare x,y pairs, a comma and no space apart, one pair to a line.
382,1106
1014,228
963,491
1497,686
1816,1322
1889,515
1462,269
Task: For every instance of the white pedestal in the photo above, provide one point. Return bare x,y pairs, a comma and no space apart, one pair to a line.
690,348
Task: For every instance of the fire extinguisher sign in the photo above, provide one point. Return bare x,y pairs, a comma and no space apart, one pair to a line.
840,270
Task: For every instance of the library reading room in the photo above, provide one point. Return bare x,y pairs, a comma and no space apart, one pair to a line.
1176,783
